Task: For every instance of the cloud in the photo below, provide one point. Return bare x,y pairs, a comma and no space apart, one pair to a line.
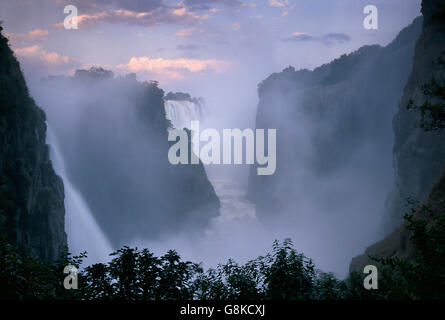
300,36
172,69
38,54
276,3
335,38
94,6
327,39
187,47
158,16
285,5
144,12
251,4
184,33
32,35
208,4
147,64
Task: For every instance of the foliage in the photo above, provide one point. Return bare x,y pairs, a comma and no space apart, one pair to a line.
25,277
423,277
139,275
282,274
135,274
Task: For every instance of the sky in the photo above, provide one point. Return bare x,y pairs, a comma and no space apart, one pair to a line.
194,45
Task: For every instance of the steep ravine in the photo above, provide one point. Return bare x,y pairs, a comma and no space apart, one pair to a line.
109,141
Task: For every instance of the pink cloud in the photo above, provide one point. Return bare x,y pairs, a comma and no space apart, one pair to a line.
276,3
183,33
285,5
32,35
37,53
193,65
161,15
172,69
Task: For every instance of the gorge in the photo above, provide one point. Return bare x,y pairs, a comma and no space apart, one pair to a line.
90,170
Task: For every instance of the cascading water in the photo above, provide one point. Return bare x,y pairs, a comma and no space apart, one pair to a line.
180,113
82,230
234,206
235,212
225,233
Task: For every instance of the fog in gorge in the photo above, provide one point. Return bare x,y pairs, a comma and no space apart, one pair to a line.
81,227
334,160
112,135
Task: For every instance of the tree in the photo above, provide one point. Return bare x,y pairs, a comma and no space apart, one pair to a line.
289,275
423,276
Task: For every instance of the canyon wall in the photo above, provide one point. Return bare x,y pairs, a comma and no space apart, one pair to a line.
31,194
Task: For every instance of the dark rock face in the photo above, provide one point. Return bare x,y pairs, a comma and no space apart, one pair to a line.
419,156
31,194
113,135
333,121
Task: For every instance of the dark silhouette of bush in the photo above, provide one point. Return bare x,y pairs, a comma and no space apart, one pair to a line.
282,274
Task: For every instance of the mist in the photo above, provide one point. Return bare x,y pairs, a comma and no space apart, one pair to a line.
334,157
334,170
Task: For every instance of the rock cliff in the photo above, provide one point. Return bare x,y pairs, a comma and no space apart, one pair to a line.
419,155
31,194
334,125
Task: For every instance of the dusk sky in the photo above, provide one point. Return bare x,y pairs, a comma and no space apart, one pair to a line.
188,44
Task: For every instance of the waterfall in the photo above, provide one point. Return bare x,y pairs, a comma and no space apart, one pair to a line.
236,233
237,222
236,210
82,230
180,113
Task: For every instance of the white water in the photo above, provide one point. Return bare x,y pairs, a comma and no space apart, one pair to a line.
180,113
235,233
82,229
235,210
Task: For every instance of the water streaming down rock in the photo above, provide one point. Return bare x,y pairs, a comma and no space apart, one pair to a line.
180,113
83,232
234,206
231,234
